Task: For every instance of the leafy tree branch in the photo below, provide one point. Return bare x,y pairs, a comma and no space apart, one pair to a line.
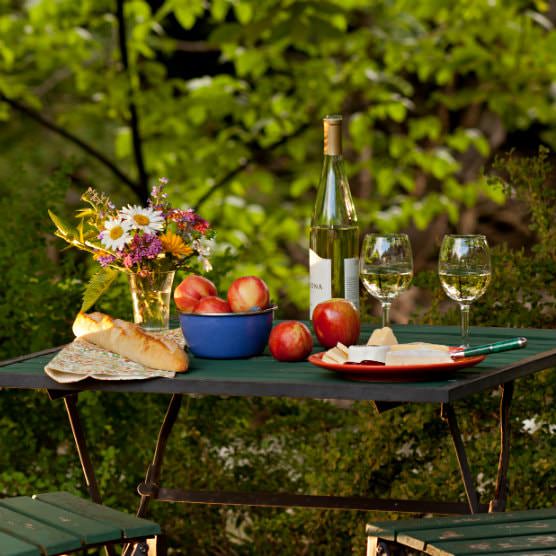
142,185
224,180
59,130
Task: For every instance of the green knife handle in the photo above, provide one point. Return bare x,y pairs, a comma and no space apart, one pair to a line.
504,345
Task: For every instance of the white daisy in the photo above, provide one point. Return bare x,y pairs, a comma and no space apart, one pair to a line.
115,234
146,219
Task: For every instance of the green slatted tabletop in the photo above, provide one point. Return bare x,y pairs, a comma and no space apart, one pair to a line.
263,376
58,522
526,533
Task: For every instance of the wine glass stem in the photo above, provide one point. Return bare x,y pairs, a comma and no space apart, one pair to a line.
464,324
386,313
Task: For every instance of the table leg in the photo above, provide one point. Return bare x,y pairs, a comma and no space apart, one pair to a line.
472,498
153,472
498,503
70,402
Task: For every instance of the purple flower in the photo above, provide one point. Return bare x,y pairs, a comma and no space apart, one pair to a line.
143,246
106,260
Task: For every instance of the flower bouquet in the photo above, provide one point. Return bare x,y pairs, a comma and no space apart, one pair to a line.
149,244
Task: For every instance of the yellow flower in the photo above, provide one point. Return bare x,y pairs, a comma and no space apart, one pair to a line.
174,245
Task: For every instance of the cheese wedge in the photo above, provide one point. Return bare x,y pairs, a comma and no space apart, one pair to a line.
342,348
382,337
420,345
417,357
357,354
335,355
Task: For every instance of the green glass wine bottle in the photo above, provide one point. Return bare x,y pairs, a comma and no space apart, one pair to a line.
334,236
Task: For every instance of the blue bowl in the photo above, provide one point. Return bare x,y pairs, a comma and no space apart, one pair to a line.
227,335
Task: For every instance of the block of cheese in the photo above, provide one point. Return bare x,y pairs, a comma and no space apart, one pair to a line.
420,345
382,337
337,355
417,357
357,354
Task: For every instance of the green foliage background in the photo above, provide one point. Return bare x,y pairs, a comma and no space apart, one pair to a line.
225,98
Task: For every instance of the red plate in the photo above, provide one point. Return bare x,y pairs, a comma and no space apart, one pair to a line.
375,372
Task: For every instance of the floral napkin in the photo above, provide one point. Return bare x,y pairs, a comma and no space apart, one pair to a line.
81,359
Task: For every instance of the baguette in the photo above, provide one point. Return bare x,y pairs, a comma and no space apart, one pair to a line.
130,341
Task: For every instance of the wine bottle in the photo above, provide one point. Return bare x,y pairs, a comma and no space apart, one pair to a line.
334,236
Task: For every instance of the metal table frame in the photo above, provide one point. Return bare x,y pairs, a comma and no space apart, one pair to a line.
17,373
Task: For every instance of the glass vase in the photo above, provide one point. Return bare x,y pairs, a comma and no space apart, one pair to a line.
150,294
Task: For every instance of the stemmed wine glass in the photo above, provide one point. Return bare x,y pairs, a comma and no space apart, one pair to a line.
464,271
386,268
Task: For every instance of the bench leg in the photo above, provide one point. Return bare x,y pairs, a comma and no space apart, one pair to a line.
379,547
498,503
472,497
150,547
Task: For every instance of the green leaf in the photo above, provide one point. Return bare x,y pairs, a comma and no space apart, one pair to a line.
97,285
67,231
244,12
187,11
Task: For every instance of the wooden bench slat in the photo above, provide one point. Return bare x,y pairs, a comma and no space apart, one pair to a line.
497,545
12,546
514,533
130,526
418,539
90,531
391,528
49,539
549,552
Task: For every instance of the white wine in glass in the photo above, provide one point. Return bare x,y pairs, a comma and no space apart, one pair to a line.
464,271
386,268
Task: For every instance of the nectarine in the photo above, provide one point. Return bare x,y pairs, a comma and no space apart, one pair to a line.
188,293
248,293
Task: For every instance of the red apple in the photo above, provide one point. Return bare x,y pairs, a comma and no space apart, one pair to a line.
188,293
186,303
246,293
336,320
212,304
290,340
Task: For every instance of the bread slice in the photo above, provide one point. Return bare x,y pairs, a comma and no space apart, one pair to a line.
131,341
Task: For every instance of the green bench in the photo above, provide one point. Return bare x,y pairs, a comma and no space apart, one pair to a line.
58,523
524,533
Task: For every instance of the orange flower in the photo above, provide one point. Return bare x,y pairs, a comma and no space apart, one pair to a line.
174,245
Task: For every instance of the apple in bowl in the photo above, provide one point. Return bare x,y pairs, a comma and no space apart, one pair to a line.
191,290
212,304
248,293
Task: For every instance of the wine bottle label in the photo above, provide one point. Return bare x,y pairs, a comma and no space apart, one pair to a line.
320,277
351,280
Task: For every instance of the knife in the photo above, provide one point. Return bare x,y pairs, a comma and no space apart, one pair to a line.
504,345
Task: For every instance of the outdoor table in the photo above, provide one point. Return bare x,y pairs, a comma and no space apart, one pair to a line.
264,376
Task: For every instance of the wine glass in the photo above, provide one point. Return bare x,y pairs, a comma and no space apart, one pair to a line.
464,271
386,268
